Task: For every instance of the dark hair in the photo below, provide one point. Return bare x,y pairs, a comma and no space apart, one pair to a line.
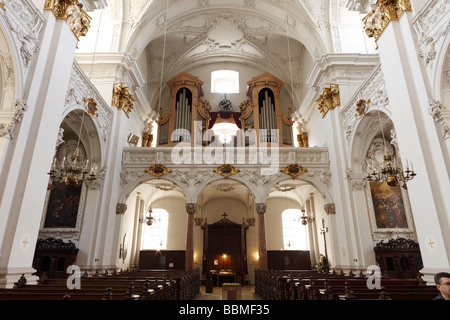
438,276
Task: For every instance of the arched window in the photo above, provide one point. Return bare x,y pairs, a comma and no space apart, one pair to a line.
224,81
295,234
154,237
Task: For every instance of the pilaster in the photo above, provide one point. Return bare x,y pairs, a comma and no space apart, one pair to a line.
418,140
29,158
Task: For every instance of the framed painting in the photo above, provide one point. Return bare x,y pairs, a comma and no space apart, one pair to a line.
63,211
390,212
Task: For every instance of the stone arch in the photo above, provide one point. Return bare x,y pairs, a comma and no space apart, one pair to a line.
310,178
128,188
253,189
97,148
92,144
439,72
10,71
365,131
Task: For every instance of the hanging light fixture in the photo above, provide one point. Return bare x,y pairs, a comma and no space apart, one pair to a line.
77,170
225,128
389,172
149,218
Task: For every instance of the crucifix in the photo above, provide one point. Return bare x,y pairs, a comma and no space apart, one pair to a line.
431,243
323,230
224,216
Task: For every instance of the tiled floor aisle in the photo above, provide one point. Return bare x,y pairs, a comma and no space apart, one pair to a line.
248,293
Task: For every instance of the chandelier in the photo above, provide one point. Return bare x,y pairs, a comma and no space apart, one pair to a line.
389,172
149,217
75,170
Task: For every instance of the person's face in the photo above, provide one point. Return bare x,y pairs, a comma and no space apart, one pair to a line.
444,288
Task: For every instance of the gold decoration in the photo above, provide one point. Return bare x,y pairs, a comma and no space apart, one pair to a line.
122,99
158,170
72,11
294,170
2,5
245,105
383,12
362,107
206,106
91,106
302,140
226,170
329,99
147,139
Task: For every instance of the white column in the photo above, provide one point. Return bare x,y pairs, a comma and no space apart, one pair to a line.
29,157
341,242
418,142
109,226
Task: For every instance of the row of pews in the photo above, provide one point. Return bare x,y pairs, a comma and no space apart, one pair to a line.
124,285
311,285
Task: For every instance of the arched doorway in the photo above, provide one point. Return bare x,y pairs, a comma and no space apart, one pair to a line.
226,240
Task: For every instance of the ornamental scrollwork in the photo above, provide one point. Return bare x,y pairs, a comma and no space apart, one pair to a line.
72,11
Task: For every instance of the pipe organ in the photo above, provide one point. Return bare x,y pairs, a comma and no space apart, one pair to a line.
263,113
183,116
262,120
178,124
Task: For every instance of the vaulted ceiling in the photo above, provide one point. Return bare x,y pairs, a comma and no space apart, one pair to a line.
275,36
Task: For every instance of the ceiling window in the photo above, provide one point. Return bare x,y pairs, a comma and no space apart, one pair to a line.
225,81
295,235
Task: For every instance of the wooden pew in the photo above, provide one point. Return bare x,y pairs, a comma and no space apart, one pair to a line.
135,285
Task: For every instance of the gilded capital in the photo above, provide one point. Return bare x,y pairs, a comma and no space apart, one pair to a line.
122,98
329,99
383,12
72,11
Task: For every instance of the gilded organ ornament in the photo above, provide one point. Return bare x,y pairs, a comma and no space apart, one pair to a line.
302,140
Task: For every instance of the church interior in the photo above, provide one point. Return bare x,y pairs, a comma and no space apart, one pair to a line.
167,149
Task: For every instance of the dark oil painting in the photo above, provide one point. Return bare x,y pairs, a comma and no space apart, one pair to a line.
62,209
388,206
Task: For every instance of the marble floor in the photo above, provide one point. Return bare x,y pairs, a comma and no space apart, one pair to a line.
248,293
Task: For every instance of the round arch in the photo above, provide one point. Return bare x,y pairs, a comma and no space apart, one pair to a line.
365,131
129,187
96,145
324,191
439,68
256,193
11,86
93,144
